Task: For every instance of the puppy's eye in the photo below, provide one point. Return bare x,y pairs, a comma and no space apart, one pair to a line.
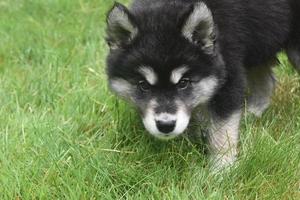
144,86
183,83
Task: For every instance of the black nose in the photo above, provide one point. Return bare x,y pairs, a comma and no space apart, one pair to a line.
165,127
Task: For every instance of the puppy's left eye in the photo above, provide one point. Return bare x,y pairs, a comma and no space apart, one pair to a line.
144,86
183,83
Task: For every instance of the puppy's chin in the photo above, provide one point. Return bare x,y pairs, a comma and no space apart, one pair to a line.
165,137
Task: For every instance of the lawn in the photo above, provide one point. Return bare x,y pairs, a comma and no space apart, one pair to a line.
63,135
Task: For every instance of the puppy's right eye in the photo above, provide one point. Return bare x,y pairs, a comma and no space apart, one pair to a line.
144,86
183,84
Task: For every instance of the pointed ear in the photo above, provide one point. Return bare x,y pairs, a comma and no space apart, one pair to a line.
199,27
121,29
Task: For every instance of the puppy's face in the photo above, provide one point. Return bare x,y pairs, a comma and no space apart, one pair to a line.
165,69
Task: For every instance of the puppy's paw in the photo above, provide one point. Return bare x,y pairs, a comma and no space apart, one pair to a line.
220,163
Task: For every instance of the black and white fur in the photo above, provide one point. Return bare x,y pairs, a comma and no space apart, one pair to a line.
170,57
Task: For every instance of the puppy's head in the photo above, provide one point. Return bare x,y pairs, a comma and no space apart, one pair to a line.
165,60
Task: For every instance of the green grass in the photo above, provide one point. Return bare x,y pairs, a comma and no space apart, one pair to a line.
63,135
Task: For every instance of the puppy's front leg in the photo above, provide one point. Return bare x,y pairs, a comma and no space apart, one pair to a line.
223,139
226,111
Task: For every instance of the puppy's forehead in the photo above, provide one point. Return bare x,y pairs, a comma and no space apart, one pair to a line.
169,75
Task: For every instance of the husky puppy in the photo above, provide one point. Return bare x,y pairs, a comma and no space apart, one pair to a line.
170,57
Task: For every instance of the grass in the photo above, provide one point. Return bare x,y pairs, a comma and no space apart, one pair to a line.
63,135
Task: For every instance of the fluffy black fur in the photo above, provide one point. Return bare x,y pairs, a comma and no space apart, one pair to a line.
249,34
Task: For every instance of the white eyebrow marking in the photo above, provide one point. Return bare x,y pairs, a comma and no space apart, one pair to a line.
177,74
149,74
